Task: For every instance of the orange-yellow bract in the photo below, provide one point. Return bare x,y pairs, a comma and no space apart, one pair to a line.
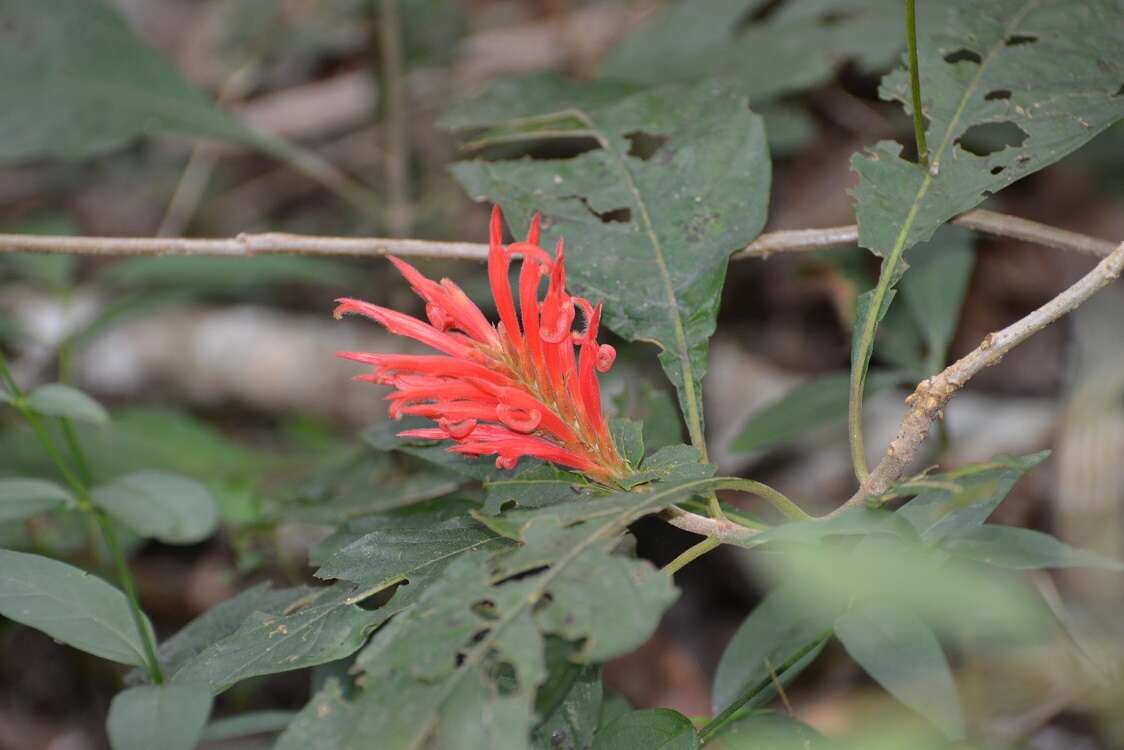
510,390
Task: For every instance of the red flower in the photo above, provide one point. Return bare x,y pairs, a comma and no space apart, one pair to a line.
511,390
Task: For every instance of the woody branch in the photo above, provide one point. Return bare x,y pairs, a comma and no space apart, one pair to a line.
927,402
276,243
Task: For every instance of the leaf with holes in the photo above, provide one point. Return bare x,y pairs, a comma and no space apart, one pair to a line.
462,665
400,548
1029,75
86,85
649,230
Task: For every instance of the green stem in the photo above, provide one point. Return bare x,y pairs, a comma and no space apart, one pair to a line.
777,499
731,712
126,578
79,484
915,82
691,554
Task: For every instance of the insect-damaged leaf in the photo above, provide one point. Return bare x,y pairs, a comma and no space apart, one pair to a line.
648,232
1029,74
461,665
1034,70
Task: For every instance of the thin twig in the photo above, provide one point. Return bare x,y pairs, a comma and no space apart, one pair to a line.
276,243
928,401
726,532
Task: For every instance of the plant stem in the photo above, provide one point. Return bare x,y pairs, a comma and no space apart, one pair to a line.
126,578
691,554
79,483
716,724
915,82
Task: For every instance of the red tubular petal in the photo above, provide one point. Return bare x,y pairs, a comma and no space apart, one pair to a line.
498,263
404,325
421,364
466,315
535,230
527,251
589,391
450,300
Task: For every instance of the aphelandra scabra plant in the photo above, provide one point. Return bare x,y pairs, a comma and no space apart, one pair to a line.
508,390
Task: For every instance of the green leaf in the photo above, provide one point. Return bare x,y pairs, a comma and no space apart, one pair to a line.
169,717
780,631
323,724
247,725
628,435
672,220
160,505
805,407
24,498
365,483
671,464
70,605
86,85
57,400
1031,71
221,621
460,664
934,289
902,653
947,504
402,547
856,522
649,729
798,45
1022,549
568,703
534,487
949,594
763,731
321,626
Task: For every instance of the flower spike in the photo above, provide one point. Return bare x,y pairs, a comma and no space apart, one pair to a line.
510,390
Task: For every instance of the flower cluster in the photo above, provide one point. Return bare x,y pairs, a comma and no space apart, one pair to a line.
510,390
